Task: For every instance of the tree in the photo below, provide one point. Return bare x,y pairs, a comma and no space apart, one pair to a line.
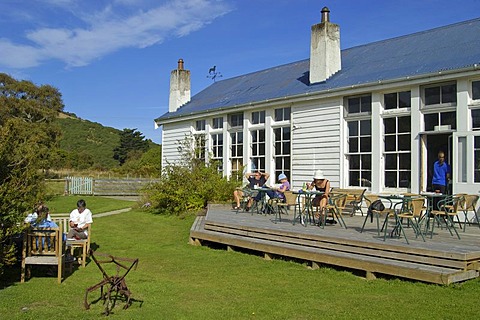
28,138
131,141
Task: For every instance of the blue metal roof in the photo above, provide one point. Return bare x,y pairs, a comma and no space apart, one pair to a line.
451,47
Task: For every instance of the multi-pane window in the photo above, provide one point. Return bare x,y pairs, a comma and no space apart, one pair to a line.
476,90
476,119
200,147
360,152
235,120
217,150
200,125
434,120
283,114
361,104
236,156
397,151
445,94
476,150
282,144
258,150
258,117
217,123
397,100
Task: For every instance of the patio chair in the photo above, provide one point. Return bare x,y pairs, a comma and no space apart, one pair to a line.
447,210
82,244
334,208
290,200
412,211
385,214
468,204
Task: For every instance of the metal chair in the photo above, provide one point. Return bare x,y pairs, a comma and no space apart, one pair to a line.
468,204
290,200
412,211
372,213
447,209
334,208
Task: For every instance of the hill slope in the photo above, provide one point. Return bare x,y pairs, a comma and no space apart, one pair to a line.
89,139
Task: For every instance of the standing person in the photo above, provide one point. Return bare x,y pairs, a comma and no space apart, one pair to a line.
320,184
441,174
80,220
257,179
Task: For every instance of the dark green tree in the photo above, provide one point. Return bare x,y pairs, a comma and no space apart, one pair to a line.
28,138
132,143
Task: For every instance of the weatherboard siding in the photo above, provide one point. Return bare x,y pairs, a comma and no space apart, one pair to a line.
171,135
316,141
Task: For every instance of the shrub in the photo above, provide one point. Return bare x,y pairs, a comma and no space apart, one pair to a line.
188,186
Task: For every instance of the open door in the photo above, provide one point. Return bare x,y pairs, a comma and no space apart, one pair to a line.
466,163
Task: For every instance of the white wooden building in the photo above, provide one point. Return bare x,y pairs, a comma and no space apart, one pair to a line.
375,115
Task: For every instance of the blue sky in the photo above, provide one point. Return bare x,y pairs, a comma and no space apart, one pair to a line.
111,60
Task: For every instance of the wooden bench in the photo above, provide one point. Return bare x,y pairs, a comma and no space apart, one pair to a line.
43,246
354,198
83,244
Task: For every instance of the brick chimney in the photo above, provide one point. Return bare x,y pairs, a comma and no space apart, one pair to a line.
179,87
325,57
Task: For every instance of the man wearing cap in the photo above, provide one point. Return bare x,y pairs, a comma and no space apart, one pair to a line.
320,184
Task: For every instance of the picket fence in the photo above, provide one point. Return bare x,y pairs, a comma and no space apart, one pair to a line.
106,187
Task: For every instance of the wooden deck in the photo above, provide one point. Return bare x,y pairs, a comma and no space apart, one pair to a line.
445,259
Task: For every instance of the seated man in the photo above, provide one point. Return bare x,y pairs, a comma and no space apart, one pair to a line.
254,179
80,220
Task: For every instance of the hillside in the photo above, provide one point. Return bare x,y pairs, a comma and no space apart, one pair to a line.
89,139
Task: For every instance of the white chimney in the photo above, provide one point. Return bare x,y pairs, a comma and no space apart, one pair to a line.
325,57
179,87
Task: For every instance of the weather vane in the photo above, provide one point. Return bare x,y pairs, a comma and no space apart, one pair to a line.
213,74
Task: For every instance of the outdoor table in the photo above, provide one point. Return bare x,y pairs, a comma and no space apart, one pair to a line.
432,197
265,206
306,213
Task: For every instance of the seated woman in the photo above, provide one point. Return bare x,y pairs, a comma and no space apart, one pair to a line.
278,193
41,217
320,184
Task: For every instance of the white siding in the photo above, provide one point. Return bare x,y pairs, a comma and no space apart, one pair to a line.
171,135
316,142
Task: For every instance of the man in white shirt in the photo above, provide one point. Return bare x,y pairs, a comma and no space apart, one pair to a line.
80,220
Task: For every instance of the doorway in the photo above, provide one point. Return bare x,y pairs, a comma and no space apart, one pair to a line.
435,143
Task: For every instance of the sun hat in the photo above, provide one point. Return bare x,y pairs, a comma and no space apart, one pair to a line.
282,176
318,175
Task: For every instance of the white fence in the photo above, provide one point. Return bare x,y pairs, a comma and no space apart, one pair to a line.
106,187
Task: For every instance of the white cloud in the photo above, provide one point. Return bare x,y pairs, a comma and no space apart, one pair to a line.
108,30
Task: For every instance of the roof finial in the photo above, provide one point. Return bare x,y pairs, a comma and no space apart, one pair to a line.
325,14
180,64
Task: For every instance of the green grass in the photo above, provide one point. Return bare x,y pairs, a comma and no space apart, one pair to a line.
176,280
65,204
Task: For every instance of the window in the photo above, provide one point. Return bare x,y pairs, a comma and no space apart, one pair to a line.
282,114
200,147
217,123
361,104
441,95
258,150
236,154
258,117
235,120
217,150
200,125
397,152
476,90
476,150
282,138
397,100
359,152
433,120
475,119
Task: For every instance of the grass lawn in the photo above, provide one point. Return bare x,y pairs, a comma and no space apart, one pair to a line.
65,204
176,280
